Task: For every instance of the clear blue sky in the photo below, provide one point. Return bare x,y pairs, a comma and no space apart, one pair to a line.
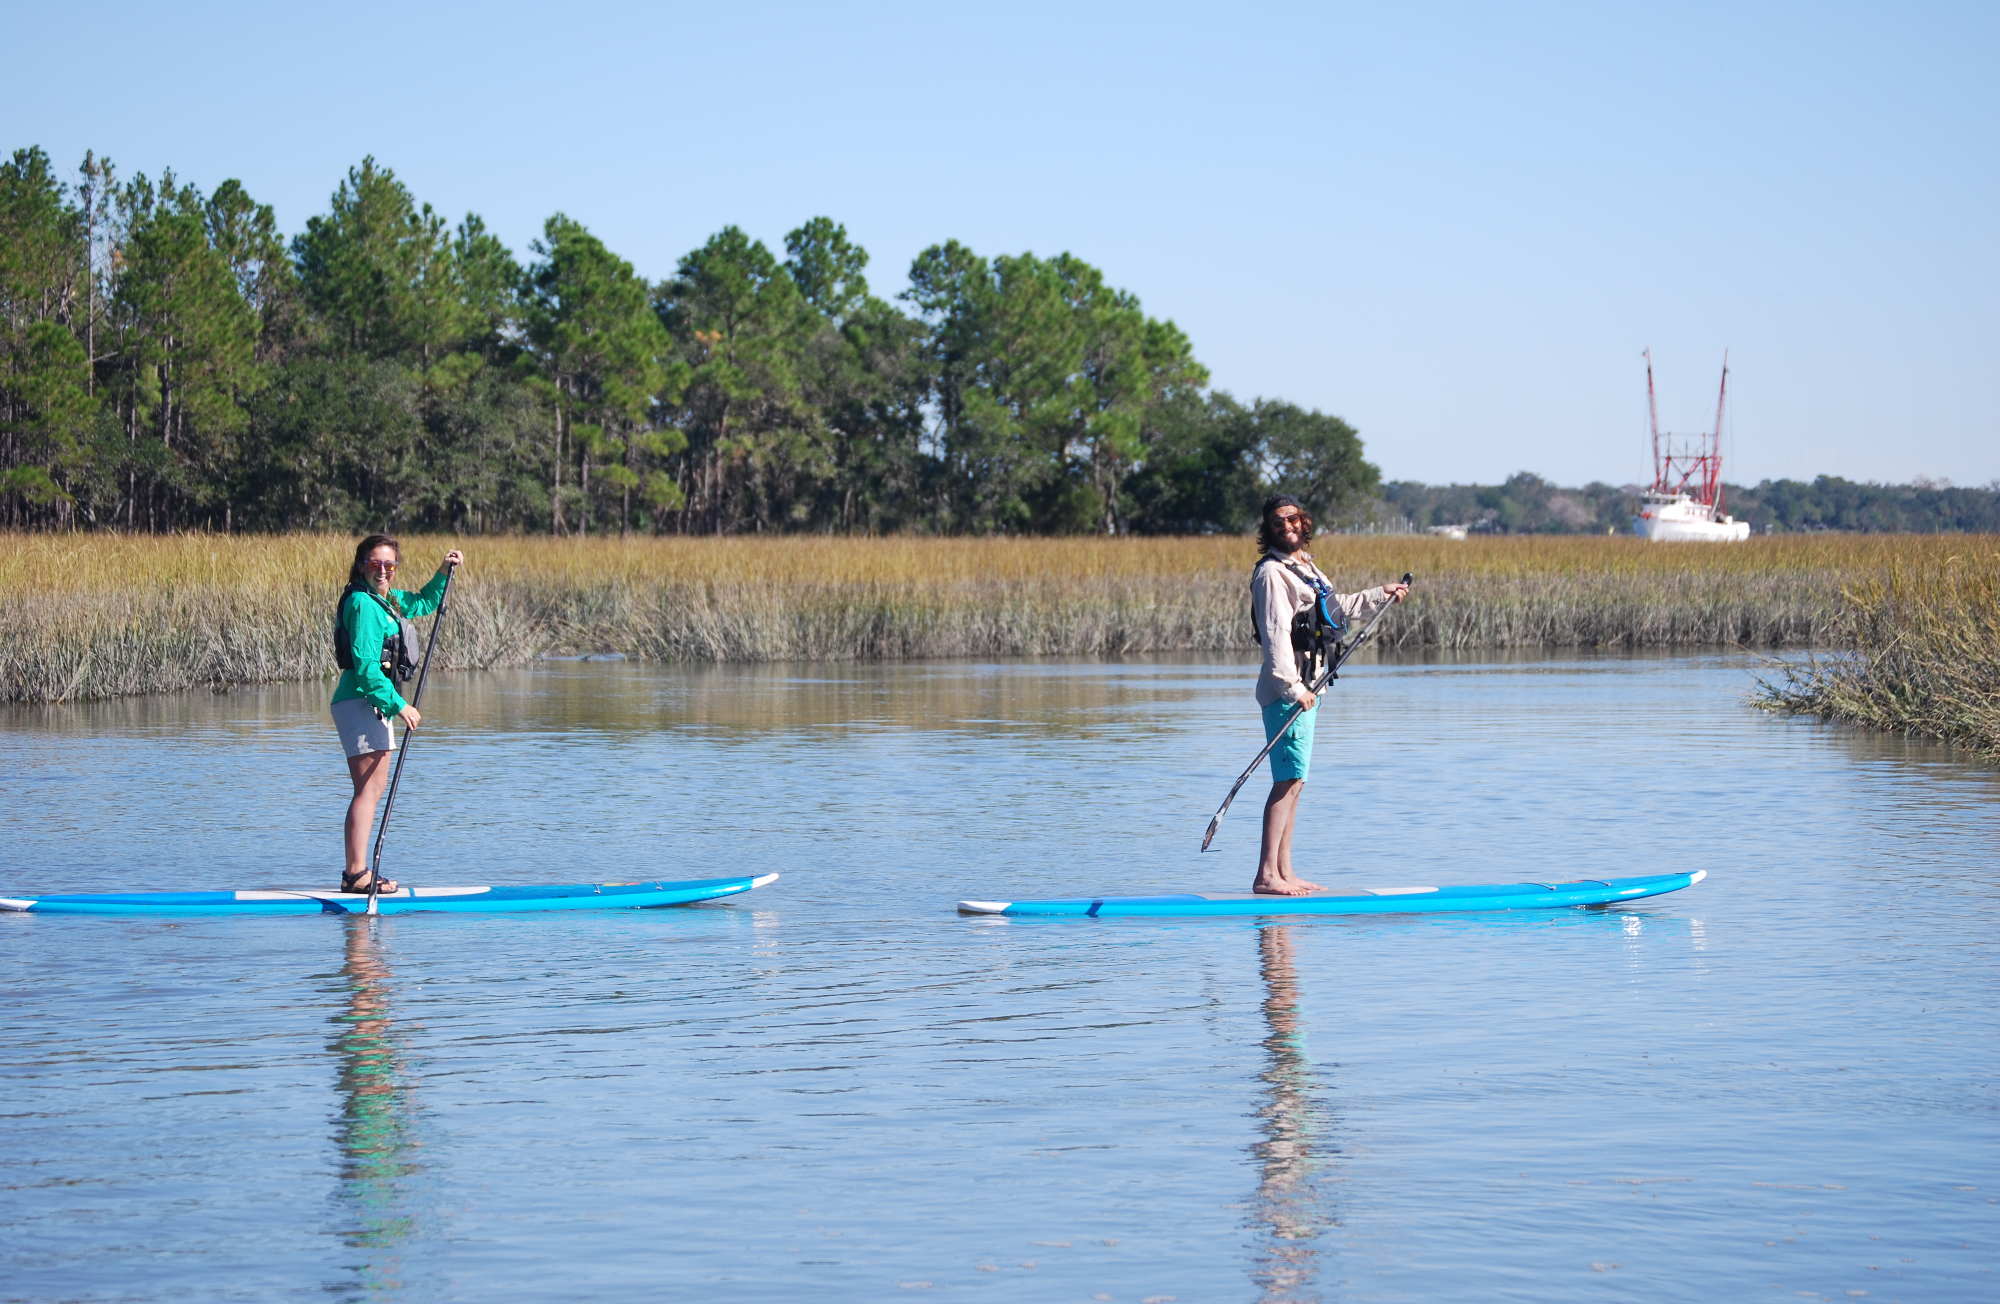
1454,224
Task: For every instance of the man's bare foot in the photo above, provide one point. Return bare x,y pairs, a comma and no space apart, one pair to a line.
1304,886
1280,887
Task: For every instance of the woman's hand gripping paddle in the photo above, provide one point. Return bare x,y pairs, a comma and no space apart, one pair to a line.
1345,651
409,736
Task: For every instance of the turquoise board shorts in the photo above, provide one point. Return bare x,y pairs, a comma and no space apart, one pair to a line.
1292,757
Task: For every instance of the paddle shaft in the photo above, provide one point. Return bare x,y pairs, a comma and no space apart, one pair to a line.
1332,672
409,736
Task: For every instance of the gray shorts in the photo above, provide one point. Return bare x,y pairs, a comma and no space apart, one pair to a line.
362,730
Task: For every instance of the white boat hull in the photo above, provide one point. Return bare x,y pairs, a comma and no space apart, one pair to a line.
1678,518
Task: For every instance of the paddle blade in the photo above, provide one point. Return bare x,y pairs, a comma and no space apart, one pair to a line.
1213,825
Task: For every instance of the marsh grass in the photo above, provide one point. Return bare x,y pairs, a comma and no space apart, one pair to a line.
93,616
1921,654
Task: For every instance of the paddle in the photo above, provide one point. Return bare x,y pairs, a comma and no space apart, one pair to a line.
1341,653
409,736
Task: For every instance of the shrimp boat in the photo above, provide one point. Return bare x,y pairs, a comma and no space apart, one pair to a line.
1684,502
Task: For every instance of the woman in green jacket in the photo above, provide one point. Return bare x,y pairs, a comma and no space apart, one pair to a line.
372,627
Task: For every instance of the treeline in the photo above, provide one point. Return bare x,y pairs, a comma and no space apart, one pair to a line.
1528,504
170,360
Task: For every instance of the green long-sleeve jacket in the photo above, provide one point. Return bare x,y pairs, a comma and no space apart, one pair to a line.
366,625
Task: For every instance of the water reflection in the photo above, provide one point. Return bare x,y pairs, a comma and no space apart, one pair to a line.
1294,1122
1057,698
376,1131
1060,700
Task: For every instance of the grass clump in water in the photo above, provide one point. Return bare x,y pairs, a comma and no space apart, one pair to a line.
1923,658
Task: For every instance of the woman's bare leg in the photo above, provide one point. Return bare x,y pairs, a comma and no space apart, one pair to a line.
370,773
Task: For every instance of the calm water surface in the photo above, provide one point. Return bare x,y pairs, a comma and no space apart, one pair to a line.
1778,1084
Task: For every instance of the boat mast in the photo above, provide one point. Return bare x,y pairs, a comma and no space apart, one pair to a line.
1714,494
1688,464
1653,420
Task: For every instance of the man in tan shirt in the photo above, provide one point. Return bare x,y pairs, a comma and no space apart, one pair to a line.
1285,585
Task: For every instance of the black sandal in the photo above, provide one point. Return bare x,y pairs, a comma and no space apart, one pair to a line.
358,884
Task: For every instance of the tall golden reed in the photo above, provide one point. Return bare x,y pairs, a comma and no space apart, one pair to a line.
92,616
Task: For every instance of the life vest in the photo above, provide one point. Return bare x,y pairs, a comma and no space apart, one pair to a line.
1314,630
398,654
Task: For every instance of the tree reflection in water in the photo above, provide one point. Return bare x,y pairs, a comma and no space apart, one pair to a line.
1288,1204
374,1132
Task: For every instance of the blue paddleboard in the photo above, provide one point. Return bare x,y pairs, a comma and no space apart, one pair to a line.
1366,901
305,901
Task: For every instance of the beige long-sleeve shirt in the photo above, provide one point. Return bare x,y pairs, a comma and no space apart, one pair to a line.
1279,591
